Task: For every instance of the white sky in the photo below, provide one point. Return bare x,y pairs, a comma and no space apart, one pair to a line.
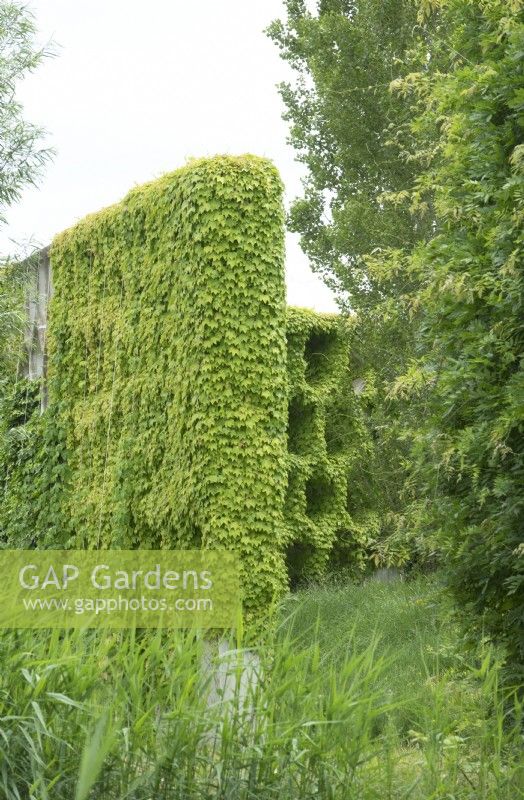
136,88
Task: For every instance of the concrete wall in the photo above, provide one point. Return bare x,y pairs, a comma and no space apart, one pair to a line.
39,292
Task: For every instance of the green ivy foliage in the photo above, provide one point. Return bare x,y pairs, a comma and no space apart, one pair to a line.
327,445
169,393
324,434
167,369
18,467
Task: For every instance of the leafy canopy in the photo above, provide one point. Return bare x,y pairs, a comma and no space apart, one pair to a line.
341,113
22,158
21,153
469,451
345,128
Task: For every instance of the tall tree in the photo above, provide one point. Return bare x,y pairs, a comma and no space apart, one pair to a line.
437,244
469,447
21,153
22,158
346,128
342,115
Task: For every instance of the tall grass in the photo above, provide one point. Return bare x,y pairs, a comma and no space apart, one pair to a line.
363,692
416,634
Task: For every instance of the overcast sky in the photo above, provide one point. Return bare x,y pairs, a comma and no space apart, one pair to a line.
138,87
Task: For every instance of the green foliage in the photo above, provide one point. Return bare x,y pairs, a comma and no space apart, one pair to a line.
469,444
342,114
33,469
382,495
167,376
14,279
413,212
168,392
21,155
44,472
317,495
343,123
336,481
21,161
18,446
126,714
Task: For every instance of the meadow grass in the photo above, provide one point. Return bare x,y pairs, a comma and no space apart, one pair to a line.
414,627
364,692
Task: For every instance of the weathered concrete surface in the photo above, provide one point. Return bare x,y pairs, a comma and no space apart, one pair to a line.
39,292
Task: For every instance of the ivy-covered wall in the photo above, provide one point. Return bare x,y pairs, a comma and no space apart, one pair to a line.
167,365
180,415
324,432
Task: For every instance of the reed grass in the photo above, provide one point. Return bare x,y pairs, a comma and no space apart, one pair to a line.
364,692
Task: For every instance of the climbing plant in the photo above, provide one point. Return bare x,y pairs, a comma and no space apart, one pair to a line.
172,419
167,369
326,441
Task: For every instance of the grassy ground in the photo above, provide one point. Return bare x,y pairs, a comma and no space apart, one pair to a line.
366,692
452,730
412,628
